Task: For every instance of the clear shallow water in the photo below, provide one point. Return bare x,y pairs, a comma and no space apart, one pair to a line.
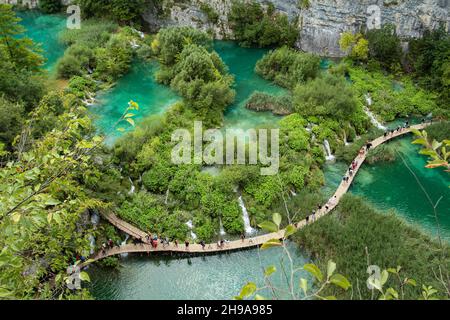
241,63
138,85
44,30
209,277
387,186
392,186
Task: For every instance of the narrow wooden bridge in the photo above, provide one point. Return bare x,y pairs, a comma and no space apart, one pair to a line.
239,244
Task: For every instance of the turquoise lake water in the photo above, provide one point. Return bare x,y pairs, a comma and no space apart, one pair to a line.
387,186
393,186
44,30
196,278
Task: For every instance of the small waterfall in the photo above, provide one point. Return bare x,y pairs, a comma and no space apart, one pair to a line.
92,244
222,230
309,127
134,44
345,139
329,154
369,113
95,218
248,228
368,99
133,188
124,242
191,226
374,120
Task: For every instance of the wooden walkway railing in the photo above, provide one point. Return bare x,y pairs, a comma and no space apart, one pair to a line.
238,244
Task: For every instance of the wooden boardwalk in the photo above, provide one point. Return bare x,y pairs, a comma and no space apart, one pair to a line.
238,244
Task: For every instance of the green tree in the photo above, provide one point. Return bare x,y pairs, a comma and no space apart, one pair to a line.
50,6
21,51
384,46
328,96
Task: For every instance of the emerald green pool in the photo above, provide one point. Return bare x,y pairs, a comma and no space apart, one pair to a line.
196,278
392,186
387,186
241,63
44,30
138,85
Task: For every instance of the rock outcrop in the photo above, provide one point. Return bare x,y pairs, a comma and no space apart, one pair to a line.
320,21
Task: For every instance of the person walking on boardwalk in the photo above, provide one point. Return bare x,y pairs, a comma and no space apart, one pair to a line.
202,243
242,237
176,243
186,243
222,242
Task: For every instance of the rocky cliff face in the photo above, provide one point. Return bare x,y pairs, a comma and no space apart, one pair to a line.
320,21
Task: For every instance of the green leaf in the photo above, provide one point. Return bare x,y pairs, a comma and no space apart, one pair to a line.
416,132
290,230
121,129
384,277
16,217
270,270
269,226
270,244
411,282
331,268
330,298
129,115
421,141
314,270
392,293
436,145
340,281
304,285
84,276
52,202
4,293
277,219
130,121
57,217
258,297
248,290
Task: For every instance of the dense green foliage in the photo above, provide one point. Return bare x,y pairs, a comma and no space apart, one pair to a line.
254,25
386,239
384,46
279,105
430,58
50,6
393,98
327,96
287,67
96,49
21,83
198,75
116,10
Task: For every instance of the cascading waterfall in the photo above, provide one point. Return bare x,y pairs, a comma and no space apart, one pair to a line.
248,228
371,116
191,226
133,188
222,230
329,154
124,242
92,244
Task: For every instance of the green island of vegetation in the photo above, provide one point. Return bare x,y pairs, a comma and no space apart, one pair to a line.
57,173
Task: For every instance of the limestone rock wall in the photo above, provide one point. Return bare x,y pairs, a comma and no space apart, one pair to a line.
320,21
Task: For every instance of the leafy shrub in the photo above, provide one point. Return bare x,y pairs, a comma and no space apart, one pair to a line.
254,26
287,67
